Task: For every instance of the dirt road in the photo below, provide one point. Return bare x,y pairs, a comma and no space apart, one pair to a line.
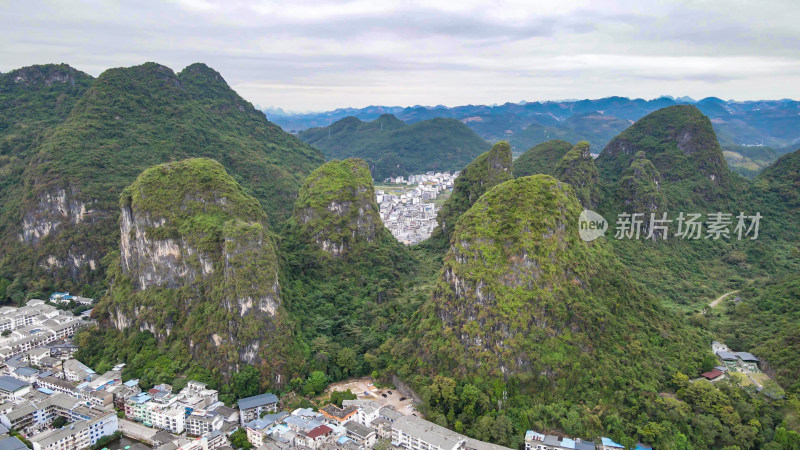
721,298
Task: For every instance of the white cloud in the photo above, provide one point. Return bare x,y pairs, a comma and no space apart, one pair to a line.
313,55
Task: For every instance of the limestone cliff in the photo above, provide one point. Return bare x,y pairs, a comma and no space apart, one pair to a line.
681,144
336,207
59,194
197,265
522,296
640,187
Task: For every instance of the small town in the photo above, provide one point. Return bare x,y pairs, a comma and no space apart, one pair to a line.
52,401
407,206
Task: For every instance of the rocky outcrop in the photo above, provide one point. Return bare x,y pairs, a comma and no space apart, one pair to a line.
485,172
577,168
197,263
640,187
541,159
52,210
522,296
336,208
681,144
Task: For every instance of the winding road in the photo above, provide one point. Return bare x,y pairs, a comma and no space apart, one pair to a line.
721,298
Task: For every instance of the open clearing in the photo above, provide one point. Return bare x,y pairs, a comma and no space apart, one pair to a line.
365,390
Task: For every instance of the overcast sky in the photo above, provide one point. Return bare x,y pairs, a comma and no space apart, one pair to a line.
319,55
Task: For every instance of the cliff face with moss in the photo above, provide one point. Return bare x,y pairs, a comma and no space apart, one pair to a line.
61,215
640,186
541,159
487,170
522,297
681,144
577,168
197,267
336,208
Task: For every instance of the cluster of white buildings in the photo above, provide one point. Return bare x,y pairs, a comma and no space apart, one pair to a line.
34,325
411,216
32,399
358,424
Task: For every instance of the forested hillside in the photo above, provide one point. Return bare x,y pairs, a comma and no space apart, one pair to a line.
393,148
59,216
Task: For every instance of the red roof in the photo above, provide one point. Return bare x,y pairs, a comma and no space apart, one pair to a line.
711,375
319,431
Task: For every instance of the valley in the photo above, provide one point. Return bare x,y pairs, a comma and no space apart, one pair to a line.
246,277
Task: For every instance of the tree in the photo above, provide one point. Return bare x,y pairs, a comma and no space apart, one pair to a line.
246,382
59,422
337,397
315,383
346,360
239,439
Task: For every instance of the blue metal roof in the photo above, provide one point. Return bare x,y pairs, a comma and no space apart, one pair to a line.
609,443
257,400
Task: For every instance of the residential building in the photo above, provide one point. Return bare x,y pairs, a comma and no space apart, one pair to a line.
747,361
76,435
363,435
336,415
11,443
12,388
414,433
250,408
368,410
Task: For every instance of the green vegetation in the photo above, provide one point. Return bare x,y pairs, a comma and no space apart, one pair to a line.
541,158
596,128
220,292
239,439
577,168
640,186
105,440
766,322
487,170
682,146
393,148
100,136
748,161
346,278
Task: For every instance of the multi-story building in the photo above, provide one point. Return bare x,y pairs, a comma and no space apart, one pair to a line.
415,433
81,434
250,408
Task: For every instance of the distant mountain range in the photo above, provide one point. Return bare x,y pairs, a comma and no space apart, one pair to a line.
391,147
773,123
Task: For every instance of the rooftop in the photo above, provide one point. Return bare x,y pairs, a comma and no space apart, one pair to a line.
429,432
746,356
257,400
11,443
319,431
11,384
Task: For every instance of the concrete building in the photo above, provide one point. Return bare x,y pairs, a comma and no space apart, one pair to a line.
76,435
250,408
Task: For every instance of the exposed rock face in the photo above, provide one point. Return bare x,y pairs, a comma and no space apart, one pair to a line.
640,187
196,249
336,207
682,146
577,168
485,172
520,292
78,142
53,209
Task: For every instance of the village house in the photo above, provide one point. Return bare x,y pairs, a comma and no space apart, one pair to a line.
250,408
